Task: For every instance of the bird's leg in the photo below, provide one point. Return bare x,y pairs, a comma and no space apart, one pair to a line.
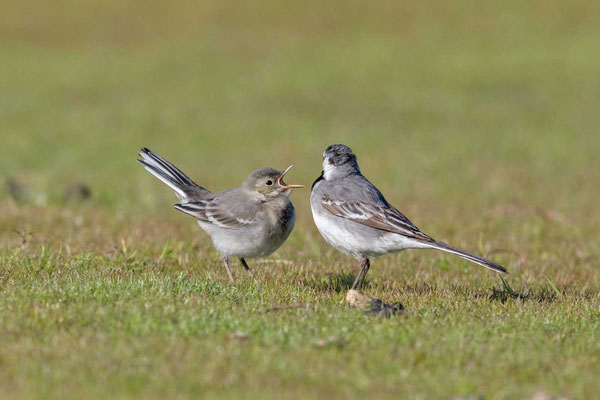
226,262
249,270
360,278
369,304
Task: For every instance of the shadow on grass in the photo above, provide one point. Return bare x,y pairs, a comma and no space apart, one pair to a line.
541,295
338,282
503,293
342,282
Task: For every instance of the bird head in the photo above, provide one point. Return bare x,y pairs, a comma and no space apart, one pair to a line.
269,182
339,162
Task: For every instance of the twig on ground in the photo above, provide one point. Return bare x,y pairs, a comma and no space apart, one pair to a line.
286,307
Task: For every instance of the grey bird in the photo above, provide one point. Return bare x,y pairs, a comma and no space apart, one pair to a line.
355,218
246,222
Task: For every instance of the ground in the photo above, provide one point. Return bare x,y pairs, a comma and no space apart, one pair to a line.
478,120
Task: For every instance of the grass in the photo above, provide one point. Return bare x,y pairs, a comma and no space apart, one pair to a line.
478,120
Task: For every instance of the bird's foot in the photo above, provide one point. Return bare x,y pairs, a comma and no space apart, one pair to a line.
372,305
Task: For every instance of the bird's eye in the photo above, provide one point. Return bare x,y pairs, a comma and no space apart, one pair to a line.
269,182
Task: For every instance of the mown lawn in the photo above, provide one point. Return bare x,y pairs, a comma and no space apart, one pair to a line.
478,120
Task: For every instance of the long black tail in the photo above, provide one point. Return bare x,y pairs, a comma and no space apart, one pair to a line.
484,262
185,188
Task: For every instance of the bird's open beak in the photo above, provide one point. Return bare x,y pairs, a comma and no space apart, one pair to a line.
285,185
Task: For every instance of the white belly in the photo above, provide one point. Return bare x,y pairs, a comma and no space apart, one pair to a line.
257,241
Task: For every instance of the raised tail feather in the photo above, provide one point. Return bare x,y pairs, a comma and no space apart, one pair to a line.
185,188
484,262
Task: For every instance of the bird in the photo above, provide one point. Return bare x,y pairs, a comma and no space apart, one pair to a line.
249,221
353,216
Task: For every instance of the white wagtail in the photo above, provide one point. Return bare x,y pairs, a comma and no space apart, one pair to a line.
354,217
246,222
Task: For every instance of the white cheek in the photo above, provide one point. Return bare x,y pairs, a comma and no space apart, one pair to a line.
327,169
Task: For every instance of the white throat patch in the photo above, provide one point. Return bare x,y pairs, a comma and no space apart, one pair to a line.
327,169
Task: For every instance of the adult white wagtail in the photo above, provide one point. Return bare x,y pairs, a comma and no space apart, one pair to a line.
246,222
355,218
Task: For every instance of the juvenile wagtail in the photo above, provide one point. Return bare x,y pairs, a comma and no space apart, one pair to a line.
355,218
246,222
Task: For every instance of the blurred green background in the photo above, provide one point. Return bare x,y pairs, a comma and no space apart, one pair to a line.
480,120
497,99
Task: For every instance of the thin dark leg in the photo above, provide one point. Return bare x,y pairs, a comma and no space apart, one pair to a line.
226,262
360,278
365,268
249,270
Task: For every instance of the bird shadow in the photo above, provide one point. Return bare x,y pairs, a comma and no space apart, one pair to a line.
540,295
497,293
337,282
342,282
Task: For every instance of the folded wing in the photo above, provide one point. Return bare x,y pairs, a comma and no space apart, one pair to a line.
387,218
380,216
216,213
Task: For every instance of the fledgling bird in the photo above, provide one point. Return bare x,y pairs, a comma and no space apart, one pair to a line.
355,218
250,221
